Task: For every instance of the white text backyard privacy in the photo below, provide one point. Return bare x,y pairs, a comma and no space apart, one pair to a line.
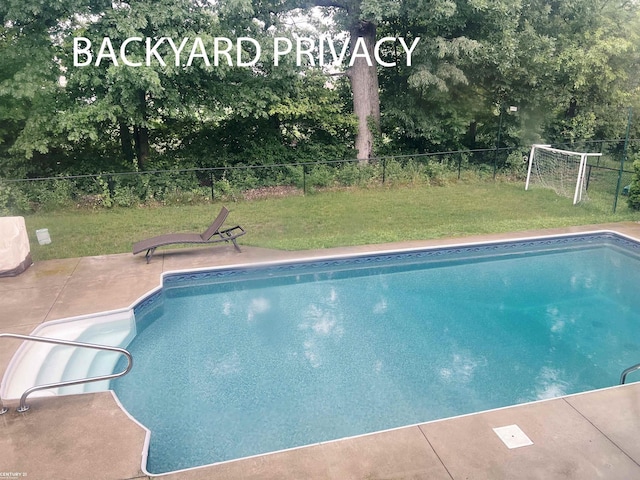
244,52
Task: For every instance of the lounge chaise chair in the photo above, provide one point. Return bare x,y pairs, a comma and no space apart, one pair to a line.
213,234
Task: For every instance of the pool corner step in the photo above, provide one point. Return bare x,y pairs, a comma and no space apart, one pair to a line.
38,363
87,363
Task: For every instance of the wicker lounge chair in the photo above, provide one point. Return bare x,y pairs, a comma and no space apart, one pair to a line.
213,234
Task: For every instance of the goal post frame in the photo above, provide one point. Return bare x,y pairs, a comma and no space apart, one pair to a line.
582,167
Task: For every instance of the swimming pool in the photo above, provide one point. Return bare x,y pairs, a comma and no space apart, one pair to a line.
239,361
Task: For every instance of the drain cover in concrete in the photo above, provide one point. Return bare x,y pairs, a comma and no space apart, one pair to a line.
512,436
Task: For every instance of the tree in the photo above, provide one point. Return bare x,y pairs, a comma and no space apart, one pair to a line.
306,122
359,18
569,67
29,77
134,101
428,106
124,110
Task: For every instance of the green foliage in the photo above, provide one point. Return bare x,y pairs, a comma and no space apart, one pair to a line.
13,201
150,110
225,190
517,163
395,172
319,176
633,199
177,187
354,174
477,58
105,195
35,196
125,197
569,67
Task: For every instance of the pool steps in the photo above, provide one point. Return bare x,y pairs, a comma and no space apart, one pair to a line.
37,363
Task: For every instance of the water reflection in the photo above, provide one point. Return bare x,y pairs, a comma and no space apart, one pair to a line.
549,383
321,322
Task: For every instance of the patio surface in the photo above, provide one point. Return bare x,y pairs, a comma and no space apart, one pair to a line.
587,436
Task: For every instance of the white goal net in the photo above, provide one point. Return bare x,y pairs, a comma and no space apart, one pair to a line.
562,171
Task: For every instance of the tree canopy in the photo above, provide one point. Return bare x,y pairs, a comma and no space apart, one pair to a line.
570,68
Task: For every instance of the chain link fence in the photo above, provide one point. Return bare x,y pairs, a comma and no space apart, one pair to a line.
196,185
609,176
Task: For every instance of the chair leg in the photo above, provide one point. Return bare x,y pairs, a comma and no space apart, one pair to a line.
226,236
149,254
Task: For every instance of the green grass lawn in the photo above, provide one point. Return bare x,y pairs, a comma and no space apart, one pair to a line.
328,219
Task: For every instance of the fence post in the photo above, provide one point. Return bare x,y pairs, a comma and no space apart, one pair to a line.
384,169
586,187
304,179
495,154
624,156
600,150
212,186
459,164
111,186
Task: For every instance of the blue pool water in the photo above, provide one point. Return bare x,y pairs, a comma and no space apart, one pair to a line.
236,362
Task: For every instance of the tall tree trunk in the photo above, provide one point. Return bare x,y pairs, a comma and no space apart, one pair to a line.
364,86
141,137
141,133
126,142
472,131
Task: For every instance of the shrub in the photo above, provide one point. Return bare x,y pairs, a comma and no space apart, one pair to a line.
104,196
245,178
438,173
12,200
408,172
353,174
125,197
319,176
634,190
516,164
393,170
49,195
225,190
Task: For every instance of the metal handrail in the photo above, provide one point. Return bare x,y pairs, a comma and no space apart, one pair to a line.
623,377
24,407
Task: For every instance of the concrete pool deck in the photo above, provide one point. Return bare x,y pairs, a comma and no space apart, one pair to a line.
585,436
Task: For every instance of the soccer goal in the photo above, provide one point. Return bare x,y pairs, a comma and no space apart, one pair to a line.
560,170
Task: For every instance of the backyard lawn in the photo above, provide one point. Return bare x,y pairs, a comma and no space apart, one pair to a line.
328,218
